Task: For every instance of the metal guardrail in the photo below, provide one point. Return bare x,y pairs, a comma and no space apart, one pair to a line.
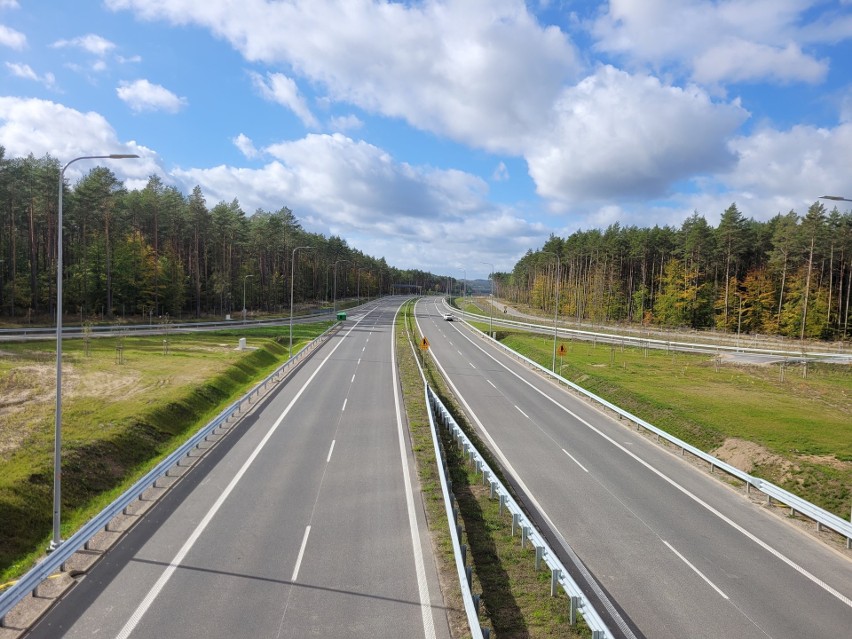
76,331
579,602
650,342
54,561
465,573
797,504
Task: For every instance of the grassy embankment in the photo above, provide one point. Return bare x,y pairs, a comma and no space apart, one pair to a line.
795,431
119,419
516,600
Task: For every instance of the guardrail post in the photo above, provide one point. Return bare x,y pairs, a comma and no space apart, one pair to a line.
476,603
502,503
539,555
515,521
493,489
469,574
574,606
555,574
463,548
524,533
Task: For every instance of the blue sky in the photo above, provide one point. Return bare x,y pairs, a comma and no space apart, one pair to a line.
441,134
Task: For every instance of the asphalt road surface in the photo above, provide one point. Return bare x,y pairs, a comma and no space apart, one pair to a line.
306,520
682,554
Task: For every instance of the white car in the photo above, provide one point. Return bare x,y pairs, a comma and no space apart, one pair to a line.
448,317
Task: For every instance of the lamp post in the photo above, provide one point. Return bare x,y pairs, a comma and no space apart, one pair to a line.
335,283
292,278
491,306
556,305
57,438
244,296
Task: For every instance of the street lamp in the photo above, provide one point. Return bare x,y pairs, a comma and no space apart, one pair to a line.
335,283
57,438
244,296
359,284
556,309
491,306
292,277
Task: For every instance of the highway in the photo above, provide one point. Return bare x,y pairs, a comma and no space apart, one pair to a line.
681,553
306,520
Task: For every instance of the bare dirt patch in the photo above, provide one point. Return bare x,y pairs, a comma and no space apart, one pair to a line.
746,455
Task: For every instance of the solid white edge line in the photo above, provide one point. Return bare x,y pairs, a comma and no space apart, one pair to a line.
301,554
697,572
140,611
423,585
575,460
330,450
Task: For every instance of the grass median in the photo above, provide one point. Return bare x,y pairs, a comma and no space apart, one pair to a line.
516,599
127,402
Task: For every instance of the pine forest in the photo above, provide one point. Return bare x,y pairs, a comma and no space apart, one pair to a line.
790,275
157,253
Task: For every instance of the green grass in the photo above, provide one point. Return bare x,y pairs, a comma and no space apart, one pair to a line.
807,421
118,419
516,600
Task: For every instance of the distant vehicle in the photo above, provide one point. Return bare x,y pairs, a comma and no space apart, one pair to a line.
448,317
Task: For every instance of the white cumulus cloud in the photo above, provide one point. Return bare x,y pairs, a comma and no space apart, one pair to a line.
740,61
711,41
142,95
617,135
245,145
277,87
785,169
43,127
11,38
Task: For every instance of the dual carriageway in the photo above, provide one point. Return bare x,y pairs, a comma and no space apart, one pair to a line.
307,519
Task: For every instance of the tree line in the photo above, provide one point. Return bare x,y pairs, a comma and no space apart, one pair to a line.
790,275
156,252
